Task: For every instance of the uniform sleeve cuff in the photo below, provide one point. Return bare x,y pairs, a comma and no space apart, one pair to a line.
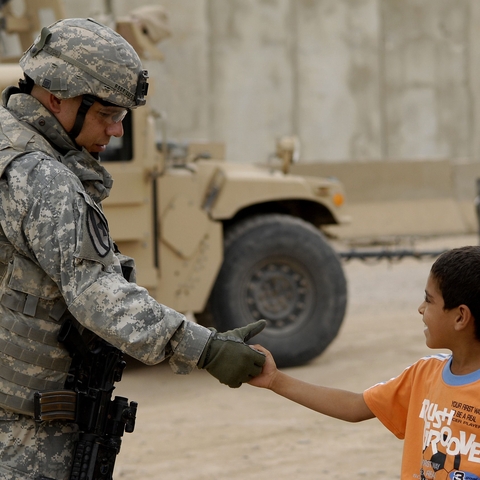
189,349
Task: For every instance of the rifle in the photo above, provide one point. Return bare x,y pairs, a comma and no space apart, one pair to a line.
96,366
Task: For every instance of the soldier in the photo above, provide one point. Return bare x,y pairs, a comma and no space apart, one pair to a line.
56,255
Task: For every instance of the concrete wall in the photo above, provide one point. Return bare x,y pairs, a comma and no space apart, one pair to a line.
355,79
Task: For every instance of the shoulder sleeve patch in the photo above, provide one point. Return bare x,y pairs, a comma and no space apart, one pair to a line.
98,230
95,242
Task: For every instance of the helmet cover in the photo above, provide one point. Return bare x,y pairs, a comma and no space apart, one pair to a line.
79,56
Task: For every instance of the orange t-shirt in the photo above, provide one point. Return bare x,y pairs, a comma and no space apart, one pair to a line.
437,414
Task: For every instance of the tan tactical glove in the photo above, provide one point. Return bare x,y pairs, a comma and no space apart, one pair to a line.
229,359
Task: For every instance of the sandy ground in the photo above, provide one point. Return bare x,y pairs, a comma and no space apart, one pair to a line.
193,428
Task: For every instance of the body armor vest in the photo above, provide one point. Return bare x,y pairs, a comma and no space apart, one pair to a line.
31,305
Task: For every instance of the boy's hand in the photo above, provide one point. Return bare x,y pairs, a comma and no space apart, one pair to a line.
269,370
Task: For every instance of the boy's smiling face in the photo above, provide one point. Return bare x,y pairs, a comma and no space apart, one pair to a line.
439,323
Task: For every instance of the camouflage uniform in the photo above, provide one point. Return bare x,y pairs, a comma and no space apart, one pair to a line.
56,254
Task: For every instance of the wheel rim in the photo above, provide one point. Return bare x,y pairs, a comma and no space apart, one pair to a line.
280,291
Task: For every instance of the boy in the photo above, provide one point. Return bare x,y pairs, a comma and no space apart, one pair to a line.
434,405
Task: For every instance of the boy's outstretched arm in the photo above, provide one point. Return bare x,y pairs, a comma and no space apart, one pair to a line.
341,404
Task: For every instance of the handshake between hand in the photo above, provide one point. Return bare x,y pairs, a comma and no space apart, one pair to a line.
229,359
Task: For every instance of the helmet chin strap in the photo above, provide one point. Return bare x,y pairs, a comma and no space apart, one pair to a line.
87,102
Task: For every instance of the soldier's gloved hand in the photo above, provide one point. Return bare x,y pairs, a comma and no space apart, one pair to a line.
229,359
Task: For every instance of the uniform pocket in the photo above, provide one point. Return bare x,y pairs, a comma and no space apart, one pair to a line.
27,277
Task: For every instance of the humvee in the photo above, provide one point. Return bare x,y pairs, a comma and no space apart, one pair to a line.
225,243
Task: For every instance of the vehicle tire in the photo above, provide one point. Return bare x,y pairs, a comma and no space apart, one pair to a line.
281,268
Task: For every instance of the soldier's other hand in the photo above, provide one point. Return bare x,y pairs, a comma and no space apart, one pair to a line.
229,359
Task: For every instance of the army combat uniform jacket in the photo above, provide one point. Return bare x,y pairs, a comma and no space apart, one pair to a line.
56,254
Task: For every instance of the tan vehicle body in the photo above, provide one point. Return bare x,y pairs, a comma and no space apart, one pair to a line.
172,214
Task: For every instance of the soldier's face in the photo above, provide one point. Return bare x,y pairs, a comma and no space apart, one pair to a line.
101,123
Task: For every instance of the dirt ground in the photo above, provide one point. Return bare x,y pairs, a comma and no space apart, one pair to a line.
193,428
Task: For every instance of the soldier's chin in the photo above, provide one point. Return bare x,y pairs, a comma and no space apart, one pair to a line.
96,150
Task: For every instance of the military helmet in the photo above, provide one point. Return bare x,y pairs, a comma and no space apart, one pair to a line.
79,56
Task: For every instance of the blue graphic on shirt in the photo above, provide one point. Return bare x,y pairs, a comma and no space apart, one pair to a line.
458,475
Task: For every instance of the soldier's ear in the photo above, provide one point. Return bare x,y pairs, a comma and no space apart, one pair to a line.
54,103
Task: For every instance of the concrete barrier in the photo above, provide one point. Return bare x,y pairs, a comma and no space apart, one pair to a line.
404,198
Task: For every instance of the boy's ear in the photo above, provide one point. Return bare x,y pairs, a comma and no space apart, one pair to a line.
464,318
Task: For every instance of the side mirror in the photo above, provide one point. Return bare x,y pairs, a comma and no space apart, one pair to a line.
288,150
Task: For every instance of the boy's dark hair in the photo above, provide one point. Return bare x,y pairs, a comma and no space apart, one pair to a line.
457,273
